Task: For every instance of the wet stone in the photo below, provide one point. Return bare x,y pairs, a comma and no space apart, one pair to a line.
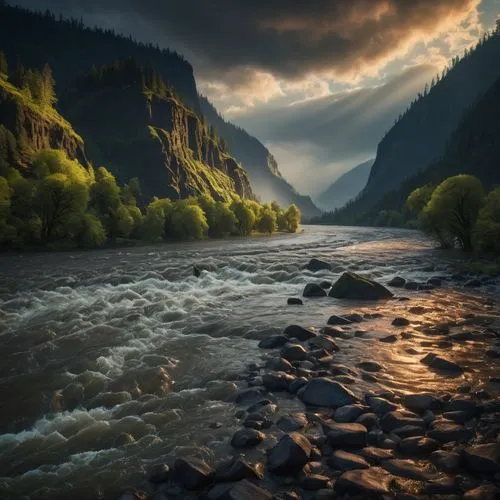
390,339
397,419
376,455
289,455
245,490
293,352
236,469
326,392
318,265
367,419
483,458
314,482
353,286
348,413
421,402
193,473
290,423
370,366
483,492
380,405
367,483
294,301
397,282
273,341
408,431
247,438
446,461
313,290
441,364
338,320
400,322
446,432
343,461
345,435
298,332
277,381
408,469
418,446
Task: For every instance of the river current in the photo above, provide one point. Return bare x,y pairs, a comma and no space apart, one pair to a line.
113,361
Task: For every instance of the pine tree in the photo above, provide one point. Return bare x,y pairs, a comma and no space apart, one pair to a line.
4,68
48,87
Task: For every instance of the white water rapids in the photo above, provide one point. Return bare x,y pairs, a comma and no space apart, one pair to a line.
112,361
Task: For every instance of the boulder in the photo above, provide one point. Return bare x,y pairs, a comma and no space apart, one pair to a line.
376,455
273,341
420,403
345,435
325,285
447,461
408,469
291,423
293,352
380,406
323,391
370,366
313,290
483,458
315,265
353,286
193,473
446,432
390,339
397,282
236,469
196,271
289,455
343,461
441,364
338,320
277,381
366,483
396,419
247,438
298,332
400,322
314,482
418,446
294,301
348,413
484,492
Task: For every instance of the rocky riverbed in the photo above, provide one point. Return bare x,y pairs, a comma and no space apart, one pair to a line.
356,390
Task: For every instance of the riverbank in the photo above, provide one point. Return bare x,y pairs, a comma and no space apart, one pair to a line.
114,363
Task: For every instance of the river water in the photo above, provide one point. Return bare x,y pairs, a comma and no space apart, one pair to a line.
113,361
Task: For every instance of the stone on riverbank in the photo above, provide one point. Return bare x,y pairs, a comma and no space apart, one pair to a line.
289,455
367,483
343,461
345,435
353,286
397,282
315,265
300,333
483,457
323,391
313,290
247,438
441,364
294,301
193,473
236,469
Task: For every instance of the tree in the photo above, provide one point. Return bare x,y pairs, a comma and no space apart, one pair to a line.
488,223
292,216
419,198
5,195
48,85
189,222
245,217
267,221
454,205
222,222
90,232
58,199
157,219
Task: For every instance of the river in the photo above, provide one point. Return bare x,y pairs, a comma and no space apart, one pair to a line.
113,361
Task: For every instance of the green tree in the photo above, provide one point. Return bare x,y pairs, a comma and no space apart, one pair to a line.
245,217
488,223
267,221
58,200
158,217
455,204
5,196
419,198
222,221
292,216
48,87
90,232
189,222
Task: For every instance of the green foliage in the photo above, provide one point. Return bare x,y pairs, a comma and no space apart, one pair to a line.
188,222
292,217
267,220
488,223
5,195
419,198
4,67
245,217
454,205
90,232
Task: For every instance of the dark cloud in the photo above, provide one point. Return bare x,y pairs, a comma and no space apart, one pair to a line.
288,38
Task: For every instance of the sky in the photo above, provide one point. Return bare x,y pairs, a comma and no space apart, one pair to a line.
318,81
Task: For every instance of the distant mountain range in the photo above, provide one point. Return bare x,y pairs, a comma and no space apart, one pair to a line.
117,120
346,187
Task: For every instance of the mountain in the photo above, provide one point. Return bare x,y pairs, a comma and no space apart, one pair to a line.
129,117
346,187
260,164
26,127
72,50
473,148
421,134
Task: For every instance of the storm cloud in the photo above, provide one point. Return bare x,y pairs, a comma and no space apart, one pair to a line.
287,38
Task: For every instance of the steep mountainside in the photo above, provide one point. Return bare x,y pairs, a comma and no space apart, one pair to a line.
346,187
71,49
260,164
33,127
421,135
157,139
474,148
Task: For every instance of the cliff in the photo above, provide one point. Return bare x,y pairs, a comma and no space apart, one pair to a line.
138,133
36,127
262,168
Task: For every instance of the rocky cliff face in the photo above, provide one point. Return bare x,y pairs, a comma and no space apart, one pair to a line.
158,140
262,168
37,128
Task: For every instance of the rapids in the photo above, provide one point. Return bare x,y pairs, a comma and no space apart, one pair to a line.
112,361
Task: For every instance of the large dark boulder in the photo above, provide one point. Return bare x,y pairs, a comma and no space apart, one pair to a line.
300,333
323,391
290,454
483,457
236,469
313,290
318,265
246,438
353,286
193,473
366,483
345,435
